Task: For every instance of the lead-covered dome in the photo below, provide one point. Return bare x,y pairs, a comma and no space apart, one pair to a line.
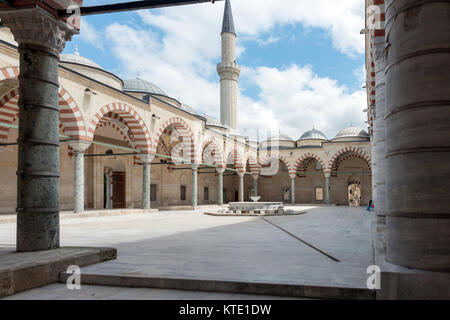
352,133
77,59
141,86
313,134
280,137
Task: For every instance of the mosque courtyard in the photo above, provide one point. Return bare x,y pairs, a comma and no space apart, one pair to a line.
327,246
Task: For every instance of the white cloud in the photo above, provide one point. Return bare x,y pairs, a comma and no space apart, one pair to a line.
91,35
178,49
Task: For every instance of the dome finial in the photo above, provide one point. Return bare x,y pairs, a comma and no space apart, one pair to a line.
76,50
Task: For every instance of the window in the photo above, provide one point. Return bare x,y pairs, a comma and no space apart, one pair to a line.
153,188
206,193
183,193
319,194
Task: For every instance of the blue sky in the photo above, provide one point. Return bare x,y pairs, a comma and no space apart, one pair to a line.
302,61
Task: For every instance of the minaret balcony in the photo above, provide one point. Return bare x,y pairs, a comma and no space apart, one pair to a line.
229,67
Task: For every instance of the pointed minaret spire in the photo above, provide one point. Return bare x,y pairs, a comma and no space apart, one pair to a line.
228,22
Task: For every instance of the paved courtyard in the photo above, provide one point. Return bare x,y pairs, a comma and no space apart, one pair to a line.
290,249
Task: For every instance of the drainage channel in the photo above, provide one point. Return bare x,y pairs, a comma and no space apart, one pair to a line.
302,241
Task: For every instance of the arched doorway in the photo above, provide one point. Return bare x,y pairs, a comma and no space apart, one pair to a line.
354,195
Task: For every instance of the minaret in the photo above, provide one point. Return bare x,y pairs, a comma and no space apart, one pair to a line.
228,71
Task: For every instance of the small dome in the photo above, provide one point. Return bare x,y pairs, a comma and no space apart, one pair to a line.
77,59
280,137
210,121
313,134
187,108
352,132
142,86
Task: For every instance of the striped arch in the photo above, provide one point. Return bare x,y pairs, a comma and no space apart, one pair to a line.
235,158
211,153
182,128
132,120
300,165
344,154
9,73
71,120
255,167
123,134
264,161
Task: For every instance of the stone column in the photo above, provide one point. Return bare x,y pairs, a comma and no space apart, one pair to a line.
41,38
146,172
293,189
417,134
328,188
255,185
79,147
194,185
379,137
220,186
241,187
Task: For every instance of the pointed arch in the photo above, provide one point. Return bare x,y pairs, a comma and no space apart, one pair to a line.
185,131
235,158
212,153
132,120
264,161
255,167
301,165
346,153
71,120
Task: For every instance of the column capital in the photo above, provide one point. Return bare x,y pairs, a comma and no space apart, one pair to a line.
35,26
241,174
79,145
292,176
220,170
194,166
255,176
147,158
327,174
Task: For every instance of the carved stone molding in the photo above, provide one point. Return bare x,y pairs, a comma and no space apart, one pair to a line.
35,26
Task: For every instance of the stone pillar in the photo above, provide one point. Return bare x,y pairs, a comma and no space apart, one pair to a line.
255,185
194,185
293,189
328,188
79,147
241,187
417,134
146,172
379,137
220,186
41,38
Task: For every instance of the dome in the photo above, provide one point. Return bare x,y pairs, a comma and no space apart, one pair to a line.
210,121
187,108
352,132
142,86
313,134
280,137
77,59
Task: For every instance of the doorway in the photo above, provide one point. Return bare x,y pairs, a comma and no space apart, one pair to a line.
118,190
354,194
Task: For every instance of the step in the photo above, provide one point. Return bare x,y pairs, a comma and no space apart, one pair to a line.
259,288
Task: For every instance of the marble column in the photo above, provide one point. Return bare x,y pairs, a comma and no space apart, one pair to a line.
328,188
255,185
220,186
293,189
417,134
146,172
41,38
241,187
79,147
194,185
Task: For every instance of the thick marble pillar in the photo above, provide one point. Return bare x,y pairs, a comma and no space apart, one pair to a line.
293,189
241,187
79,147
194,185
328,188
41,38
146,172
417,134
379,138
255,185
220,186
